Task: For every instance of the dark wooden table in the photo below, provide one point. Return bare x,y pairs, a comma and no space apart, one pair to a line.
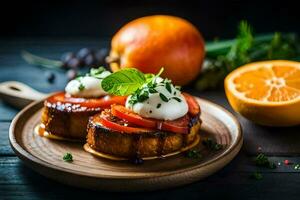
233,182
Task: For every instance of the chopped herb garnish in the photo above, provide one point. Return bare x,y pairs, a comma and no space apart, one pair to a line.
177,99
96,72
152,90
168,87
256,176
143,96
68,157
193,154
139,96
163,97
175,92
211,144
81,87
263,161
158,105
297,167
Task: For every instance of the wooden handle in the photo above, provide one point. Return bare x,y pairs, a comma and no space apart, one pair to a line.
18,94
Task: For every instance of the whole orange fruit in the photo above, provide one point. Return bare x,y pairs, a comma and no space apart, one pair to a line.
152,42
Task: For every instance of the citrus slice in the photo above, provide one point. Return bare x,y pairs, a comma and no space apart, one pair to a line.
266,92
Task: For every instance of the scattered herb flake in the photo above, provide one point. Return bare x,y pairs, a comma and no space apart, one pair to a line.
163,97
68,157
256,176
94,72
263,161
158,105
152,90
81,87
193,154
143,96
211,144
168,87
177,99
297,167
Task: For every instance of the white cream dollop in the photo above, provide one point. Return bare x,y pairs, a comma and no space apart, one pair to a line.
155,107
87,86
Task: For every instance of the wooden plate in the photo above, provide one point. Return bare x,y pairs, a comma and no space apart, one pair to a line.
45,156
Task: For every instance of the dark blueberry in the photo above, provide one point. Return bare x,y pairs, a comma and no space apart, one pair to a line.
50,76
137,161
67,56
74,63
71,74
100,55
83,53
90,60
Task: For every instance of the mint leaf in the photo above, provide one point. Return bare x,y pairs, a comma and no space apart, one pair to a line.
123,82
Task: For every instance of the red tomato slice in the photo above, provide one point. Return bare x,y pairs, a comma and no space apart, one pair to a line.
194,108
102,102
123,113
177,126
105,121
180,125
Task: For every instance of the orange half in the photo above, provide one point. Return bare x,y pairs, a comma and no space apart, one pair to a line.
266,92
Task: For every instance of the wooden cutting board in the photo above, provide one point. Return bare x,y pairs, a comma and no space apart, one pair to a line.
45,156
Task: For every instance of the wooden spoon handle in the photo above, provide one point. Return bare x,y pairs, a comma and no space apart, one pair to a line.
18,94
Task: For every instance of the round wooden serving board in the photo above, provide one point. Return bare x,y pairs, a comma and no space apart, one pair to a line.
45,156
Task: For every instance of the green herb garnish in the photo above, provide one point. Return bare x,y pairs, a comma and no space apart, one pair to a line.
163,97
193,154
211,144
81,87
152,90
68,157
139,96
263,161
96,72
177,99
127,81
256,176
297,167
168,87
224,56
123,82
158,105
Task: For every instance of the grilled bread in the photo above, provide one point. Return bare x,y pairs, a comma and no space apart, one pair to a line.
119,145
65,119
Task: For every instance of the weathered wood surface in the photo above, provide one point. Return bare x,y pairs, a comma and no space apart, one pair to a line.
233,182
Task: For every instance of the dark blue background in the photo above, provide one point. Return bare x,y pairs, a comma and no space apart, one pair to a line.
104,18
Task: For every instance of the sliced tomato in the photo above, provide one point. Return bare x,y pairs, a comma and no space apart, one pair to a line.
102,102
177,126
194,108
108,123
123,113
180,125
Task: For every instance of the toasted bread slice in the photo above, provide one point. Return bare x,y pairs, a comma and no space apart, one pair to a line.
115,145
66,120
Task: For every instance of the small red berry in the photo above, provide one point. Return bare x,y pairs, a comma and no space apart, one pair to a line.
286,162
